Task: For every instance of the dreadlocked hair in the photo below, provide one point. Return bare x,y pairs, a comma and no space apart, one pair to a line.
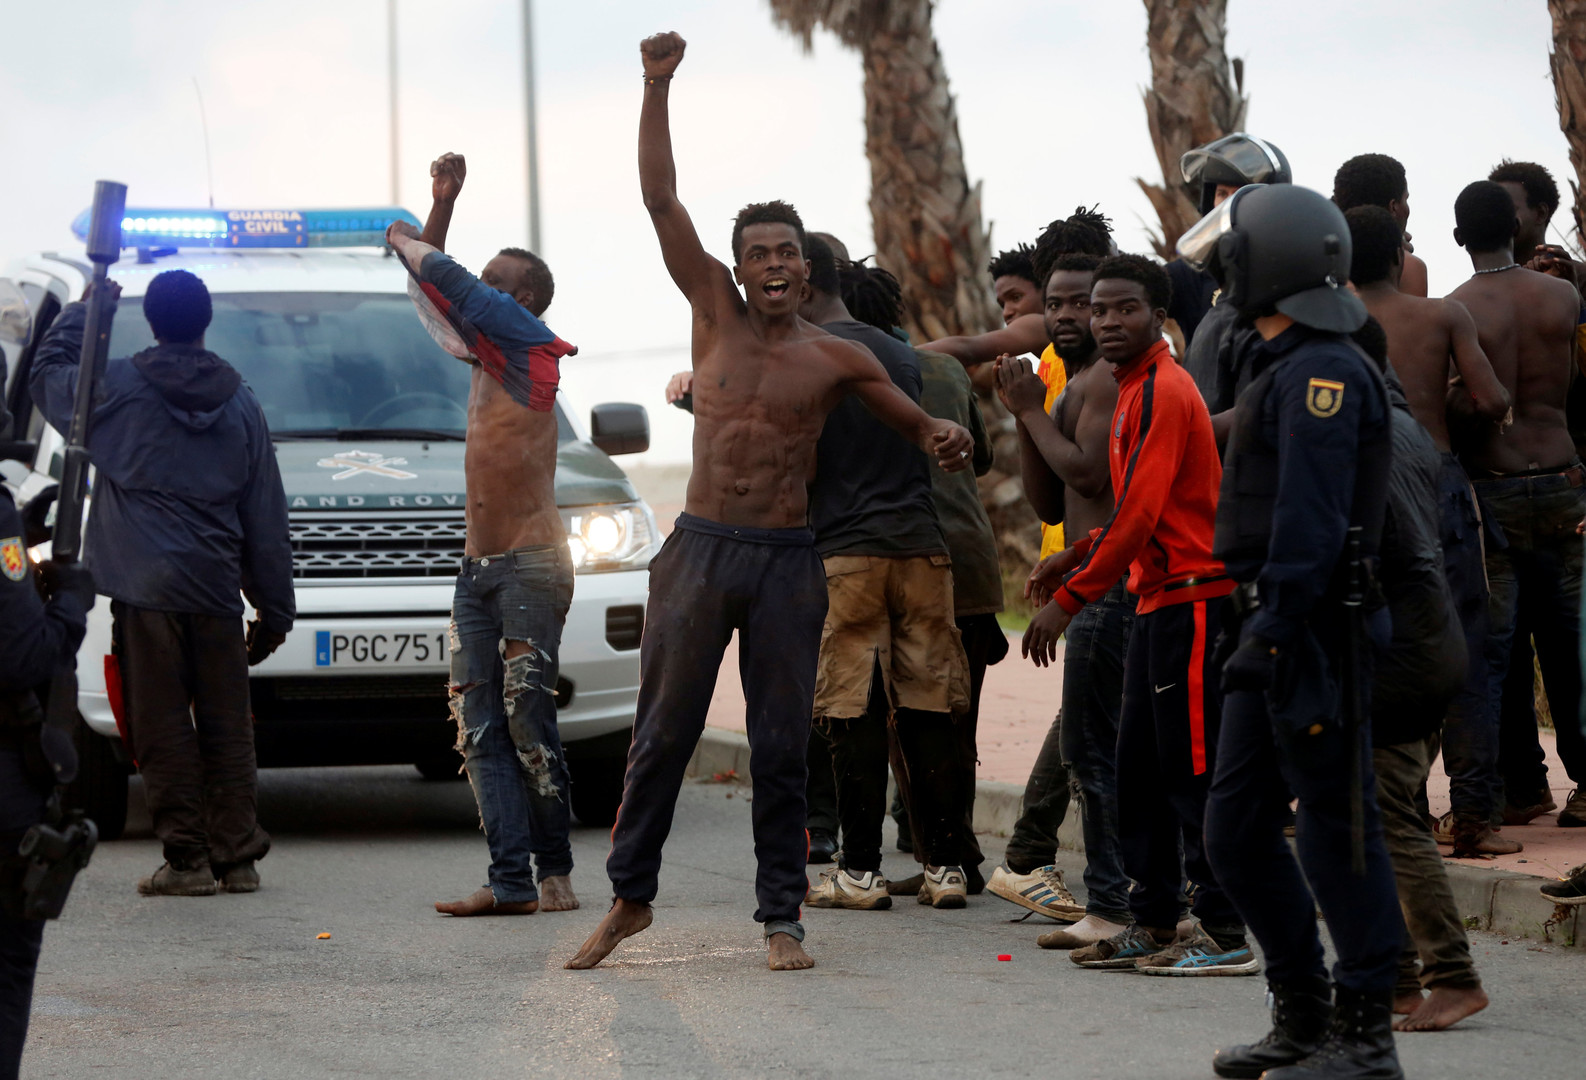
1016,263
872,295
1084,232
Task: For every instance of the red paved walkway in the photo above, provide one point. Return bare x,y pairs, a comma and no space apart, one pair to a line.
1020,700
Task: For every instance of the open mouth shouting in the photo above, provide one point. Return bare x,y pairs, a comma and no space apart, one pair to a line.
775,287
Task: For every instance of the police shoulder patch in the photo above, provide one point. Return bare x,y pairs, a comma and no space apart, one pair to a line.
13,560
1324,397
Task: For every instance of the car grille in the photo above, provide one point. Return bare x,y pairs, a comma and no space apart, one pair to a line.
373,544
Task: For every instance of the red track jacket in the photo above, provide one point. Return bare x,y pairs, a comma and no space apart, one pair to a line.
1165,477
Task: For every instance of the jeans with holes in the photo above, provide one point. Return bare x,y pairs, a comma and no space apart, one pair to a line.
505,709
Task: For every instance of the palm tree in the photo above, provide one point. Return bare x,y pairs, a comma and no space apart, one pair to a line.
925,212
1196,96
1568,61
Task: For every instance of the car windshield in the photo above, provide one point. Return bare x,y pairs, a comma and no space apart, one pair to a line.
324,364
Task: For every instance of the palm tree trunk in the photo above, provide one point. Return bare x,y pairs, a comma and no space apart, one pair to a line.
1568,61
1196,96
926,213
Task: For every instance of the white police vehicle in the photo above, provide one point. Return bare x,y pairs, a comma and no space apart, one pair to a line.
367,414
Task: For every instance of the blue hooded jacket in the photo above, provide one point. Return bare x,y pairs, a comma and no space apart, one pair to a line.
188,508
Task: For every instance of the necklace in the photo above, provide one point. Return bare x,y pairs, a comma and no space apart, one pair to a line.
1499,269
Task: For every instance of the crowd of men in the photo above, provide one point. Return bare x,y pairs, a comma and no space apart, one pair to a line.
1304,530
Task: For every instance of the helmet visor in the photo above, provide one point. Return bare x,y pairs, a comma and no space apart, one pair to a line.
1236,158
1199,244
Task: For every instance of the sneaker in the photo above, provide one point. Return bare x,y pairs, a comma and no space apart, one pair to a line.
1042,891
1573,816
944,887
239,879
1119,951
1196,953
169,881
839,888
1571,890
1473,840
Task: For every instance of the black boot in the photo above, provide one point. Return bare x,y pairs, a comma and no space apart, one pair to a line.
1360,1046
1301,1015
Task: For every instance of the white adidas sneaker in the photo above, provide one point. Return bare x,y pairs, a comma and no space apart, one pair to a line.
1041,891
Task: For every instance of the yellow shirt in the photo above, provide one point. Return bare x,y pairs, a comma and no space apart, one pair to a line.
1055,376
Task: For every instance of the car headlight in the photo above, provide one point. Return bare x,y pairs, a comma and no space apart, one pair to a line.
620,536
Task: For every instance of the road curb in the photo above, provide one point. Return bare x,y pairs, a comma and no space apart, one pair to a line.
1500,901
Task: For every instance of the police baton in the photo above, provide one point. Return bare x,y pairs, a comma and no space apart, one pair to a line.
104,248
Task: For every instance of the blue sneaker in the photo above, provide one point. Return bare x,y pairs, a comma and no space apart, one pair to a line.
1120,951
1196,953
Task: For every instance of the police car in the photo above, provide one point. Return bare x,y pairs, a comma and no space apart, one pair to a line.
368,416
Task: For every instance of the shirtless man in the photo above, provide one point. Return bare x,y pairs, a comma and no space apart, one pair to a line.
1423,337
514,590
1378,180
1528,478
1063,460
742,556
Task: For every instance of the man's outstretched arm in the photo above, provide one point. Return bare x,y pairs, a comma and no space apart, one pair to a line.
944,440
1026,334
695,272
447,172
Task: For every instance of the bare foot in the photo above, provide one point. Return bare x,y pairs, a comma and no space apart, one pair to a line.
483,902
556,894
787,953
625,919
1443,1008
1405,1004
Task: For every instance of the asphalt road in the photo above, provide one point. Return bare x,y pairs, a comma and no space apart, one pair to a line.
240,986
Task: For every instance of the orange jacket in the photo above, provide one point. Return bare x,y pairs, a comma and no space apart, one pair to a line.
1165,476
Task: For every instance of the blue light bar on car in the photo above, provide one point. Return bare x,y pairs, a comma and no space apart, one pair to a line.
360,227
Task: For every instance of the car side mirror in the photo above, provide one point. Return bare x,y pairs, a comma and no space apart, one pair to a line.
620,428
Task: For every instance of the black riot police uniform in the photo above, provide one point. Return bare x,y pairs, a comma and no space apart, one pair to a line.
34,636
1299,517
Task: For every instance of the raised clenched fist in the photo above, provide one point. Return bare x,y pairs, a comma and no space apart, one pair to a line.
448,172
662,53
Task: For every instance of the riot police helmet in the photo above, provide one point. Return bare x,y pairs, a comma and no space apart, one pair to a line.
1280,248
1235,160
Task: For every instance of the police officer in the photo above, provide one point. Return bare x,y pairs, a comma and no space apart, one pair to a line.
35,636
1217,345
1299,518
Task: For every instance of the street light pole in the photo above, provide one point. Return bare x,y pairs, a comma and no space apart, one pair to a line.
391,77
531,126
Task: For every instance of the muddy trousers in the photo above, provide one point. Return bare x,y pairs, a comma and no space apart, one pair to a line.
1436,949
709,580
184,683
505,710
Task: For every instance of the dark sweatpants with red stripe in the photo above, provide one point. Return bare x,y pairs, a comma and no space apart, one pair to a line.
1167,742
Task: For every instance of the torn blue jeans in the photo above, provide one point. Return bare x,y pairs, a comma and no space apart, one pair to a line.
505,710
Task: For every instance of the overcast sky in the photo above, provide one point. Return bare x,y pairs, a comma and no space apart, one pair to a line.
1048,101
